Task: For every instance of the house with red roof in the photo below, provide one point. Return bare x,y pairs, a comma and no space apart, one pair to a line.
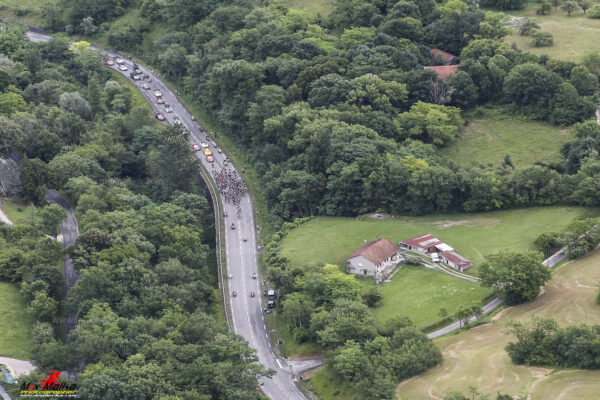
374,259
443,71
441,54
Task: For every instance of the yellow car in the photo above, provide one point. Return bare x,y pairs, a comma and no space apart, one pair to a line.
207,152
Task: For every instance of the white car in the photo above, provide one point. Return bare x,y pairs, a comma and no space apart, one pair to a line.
119,60
157,93
204,145
168,108
136,77
123,67
145,86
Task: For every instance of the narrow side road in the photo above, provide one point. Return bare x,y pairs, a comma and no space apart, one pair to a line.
70,231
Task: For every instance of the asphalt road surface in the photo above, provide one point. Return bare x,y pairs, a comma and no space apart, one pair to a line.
248,319
70,231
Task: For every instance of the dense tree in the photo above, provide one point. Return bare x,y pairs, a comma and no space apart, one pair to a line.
515,277
431,123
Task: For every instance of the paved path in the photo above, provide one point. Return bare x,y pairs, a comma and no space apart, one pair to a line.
17,367
69,231
4,218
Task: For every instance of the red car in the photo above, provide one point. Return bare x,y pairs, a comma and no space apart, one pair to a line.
110,63
210,159
159,116
195,147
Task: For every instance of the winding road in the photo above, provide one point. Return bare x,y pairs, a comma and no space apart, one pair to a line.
247,315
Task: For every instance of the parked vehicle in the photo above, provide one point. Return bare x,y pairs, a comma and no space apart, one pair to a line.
270,304
271,294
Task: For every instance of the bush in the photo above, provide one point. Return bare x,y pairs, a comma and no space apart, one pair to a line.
542,39
594,12
413,260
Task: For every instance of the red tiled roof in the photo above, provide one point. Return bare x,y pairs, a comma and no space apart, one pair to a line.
423,241
448,58
444,71
376,251
457,259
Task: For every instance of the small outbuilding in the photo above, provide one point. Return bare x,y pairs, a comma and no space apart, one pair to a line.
455,260
424,244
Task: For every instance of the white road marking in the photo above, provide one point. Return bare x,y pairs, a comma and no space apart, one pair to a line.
279,363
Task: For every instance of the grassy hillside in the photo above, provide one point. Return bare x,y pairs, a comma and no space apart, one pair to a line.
477,357
573,36
487,141
15,325
331,240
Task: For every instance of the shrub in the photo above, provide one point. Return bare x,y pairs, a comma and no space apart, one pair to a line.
594,12
542,39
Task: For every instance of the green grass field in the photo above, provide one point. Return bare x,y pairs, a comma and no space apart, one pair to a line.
327,386
488,140
477,356
22,11
573,36
420,293
476,235
322,7
15,326
17,212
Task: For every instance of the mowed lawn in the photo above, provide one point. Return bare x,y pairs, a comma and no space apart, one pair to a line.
419,293
475,235
488,141
477,357
15,325
574,36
